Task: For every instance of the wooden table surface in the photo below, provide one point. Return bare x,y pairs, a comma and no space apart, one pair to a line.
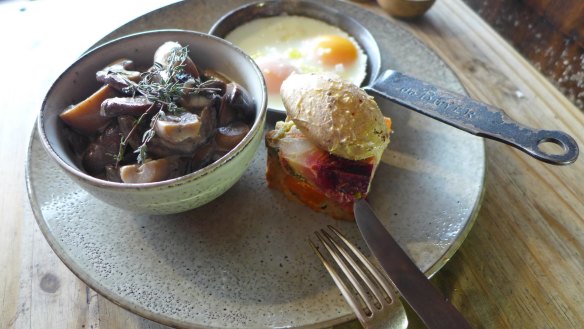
522,265
550,34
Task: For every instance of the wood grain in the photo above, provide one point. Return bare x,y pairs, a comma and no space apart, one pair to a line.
528,240
520,267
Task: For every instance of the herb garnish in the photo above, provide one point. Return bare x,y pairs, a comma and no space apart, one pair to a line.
164,86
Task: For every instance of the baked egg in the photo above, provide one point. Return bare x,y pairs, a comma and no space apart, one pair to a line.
282,45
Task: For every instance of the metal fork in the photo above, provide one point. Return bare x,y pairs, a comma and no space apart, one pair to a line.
375,306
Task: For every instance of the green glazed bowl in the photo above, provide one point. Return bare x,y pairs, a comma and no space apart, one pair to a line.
170,196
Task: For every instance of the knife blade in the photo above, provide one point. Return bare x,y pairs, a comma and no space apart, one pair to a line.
431,306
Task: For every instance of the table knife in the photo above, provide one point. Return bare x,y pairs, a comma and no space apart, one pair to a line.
429,304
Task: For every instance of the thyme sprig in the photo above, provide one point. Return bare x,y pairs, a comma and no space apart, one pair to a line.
147,137
124,139
163,86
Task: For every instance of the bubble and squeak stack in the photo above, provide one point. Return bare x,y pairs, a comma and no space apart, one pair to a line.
325,153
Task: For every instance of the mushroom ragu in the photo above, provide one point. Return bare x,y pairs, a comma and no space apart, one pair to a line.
163,122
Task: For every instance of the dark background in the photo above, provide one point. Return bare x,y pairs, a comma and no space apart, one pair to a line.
549,33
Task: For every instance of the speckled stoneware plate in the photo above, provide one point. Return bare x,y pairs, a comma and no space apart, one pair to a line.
243,260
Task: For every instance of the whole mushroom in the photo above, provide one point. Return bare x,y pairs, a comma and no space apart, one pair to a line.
163,55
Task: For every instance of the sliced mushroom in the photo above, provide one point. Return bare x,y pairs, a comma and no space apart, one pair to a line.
118,73
163,54
214,75
195,102
151,171
178,128
103,150
203,156
160,148
122,64
235,104
134,106
170,139
229,136
198,95
218,87
84,117
209,121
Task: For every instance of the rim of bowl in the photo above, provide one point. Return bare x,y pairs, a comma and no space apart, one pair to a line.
266,9
257,124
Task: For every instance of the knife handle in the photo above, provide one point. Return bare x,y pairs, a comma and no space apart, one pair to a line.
472,116
433,309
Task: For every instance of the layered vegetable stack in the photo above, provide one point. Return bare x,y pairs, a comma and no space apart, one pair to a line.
326,152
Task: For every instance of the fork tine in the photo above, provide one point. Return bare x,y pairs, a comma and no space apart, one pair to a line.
335,250
347,294
379,307
383,280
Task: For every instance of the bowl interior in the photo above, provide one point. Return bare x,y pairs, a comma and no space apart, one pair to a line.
311,9
78,81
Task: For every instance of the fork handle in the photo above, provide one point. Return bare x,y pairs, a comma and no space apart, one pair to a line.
434,309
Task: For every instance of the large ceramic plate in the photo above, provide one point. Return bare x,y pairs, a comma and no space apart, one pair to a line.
243,260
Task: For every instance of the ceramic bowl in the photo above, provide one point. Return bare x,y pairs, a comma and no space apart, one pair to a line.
311,9
170,196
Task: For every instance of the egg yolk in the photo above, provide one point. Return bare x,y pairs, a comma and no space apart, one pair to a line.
275,71
335,49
